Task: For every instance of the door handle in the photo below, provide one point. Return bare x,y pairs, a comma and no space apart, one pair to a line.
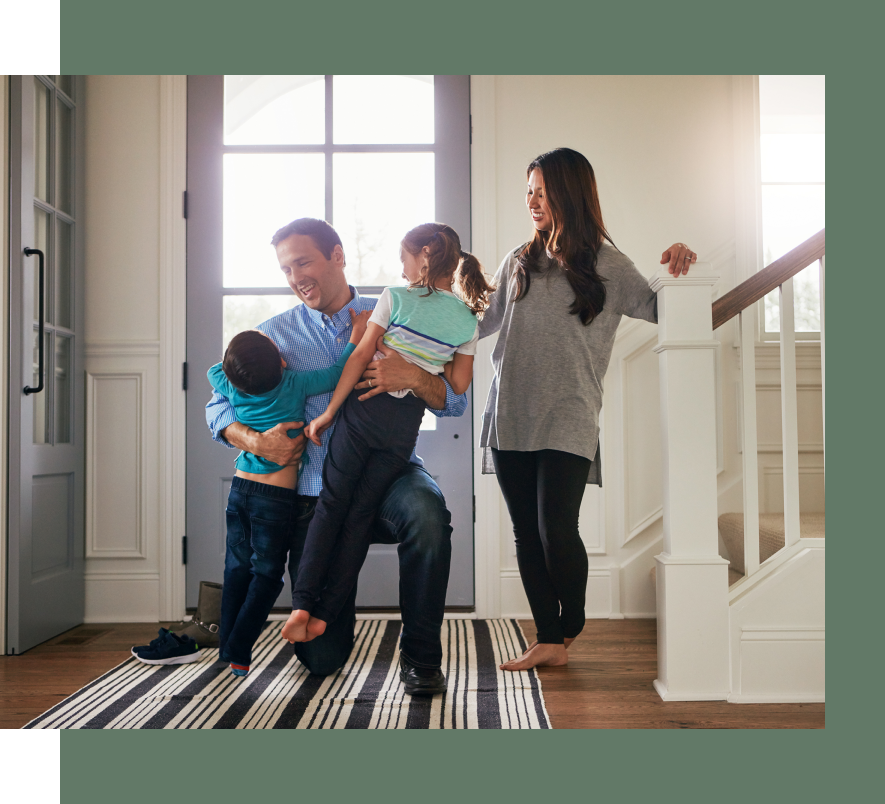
28,253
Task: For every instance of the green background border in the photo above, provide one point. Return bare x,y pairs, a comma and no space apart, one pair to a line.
260,36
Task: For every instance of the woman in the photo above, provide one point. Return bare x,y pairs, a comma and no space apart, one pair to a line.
558,303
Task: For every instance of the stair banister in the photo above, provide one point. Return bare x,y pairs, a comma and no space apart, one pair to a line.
692,579
740,301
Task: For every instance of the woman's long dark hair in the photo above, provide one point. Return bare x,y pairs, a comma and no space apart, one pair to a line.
577,232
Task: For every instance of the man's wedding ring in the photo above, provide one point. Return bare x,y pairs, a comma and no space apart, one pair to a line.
370,383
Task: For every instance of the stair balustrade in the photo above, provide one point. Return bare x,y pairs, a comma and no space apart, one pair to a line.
741,301
692,579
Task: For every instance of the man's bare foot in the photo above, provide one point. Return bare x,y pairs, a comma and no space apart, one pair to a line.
315,627
542,654
295,629
568,641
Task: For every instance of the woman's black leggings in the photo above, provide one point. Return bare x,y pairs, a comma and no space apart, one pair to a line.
543,492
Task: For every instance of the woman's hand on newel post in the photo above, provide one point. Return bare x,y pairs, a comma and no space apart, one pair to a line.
680,258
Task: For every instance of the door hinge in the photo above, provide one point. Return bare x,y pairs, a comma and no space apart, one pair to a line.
474,508
184,549
184,205
184,376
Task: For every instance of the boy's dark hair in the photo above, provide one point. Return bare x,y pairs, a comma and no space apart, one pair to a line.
325,238
252,363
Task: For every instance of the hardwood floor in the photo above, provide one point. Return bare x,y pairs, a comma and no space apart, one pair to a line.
608,683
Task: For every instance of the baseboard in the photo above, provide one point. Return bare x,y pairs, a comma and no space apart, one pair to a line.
688,696
642,615
776,698
122,598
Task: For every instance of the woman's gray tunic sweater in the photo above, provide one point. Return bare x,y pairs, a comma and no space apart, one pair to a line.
549,368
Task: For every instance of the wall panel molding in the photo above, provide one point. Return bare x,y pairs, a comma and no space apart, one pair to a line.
115,465
487,529
122,348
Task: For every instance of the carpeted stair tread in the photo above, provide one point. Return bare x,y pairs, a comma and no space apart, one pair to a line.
771,535
771,538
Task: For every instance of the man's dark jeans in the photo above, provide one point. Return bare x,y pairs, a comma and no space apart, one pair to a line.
259,528
412,514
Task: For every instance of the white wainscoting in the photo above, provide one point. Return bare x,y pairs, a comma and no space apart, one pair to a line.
121,597
122,481
115,470
603,594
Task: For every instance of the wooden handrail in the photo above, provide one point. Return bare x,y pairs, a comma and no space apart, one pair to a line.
768,279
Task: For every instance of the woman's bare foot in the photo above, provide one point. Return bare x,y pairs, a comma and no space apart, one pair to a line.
315,627
568,641
295,629
542,654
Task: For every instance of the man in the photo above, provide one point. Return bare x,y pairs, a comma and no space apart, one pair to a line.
413,513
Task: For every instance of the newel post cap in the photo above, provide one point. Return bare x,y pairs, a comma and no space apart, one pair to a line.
700,273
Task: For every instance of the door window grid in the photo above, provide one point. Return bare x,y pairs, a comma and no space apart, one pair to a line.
53,407
247,306
329,148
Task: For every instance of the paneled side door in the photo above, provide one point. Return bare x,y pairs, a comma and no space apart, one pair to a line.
46,384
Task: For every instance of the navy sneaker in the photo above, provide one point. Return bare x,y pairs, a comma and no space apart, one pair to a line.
154,642
168,648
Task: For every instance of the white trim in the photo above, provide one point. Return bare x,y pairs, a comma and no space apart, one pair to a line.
484,244
122,576
779,697
173,347
688,696
4,346
775,633
631,529
122,348
768,356
664,346
141,493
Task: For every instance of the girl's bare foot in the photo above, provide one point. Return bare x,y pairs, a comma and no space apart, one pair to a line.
295,629
315,627
568,641
541,654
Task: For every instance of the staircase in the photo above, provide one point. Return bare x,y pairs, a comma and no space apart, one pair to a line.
747,626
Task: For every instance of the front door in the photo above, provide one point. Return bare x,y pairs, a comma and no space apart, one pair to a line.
373,155
46,385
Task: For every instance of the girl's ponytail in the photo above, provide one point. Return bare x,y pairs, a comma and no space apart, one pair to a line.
471,284
447,263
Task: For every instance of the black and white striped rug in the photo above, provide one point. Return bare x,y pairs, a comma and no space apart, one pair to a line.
279,693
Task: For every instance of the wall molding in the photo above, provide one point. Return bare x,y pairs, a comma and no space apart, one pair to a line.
173,343
484,243
122,348
94,379
603,594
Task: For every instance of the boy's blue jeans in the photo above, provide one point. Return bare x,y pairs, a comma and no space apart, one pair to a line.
259,527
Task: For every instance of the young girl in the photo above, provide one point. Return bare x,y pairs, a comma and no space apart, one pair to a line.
431,323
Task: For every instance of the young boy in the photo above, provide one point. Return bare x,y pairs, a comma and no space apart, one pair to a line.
254,378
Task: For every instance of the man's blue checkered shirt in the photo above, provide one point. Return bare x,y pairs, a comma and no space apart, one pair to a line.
309,340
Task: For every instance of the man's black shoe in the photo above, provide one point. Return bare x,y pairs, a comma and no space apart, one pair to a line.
420,680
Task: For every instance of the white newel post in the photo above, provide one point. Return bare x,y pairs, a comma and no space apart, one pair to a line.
692,579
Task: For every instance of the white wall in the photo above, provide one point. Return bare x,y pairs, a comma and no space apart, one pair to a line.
122,268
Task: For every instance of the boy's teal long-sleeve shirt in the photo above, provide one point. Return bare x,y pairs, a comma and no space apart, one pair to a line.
285,403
